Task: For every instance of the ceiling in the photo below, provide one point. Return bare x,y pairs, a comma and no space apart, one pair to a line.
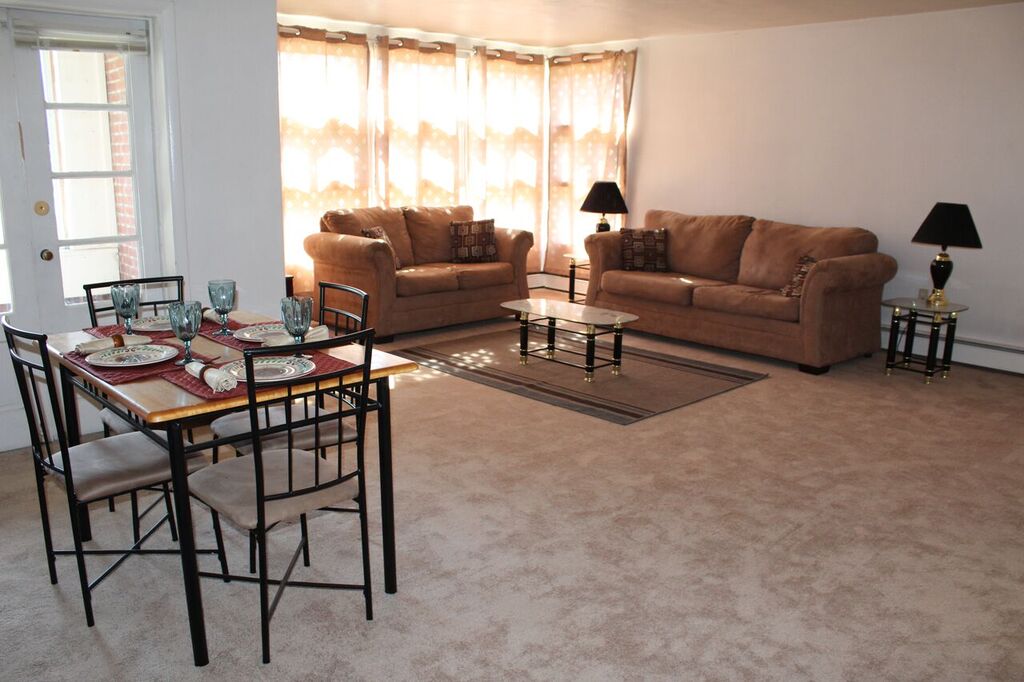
554,23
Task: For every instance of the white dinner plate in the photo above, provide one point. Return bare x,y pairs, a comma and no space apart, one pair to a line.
258,333
132,356
160,323
274,368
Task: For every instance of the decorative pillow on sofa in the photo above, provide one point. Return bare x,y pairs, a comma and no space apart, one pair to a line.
795,288
379,233
473,241
644,250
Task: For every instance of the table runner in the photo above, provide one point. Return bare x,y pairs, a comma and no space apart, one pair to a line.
325,364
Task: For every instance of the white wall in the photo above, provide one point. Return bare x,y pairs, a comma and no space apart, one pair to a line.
864,123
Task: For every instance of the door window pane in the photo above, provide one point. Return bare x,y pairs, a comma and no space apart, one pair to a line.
94,207
88,140
86,263
71,77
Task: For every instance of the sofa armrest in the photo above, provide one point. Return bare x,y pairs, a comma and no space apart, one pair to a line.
604,249
513,247
839,309
360,262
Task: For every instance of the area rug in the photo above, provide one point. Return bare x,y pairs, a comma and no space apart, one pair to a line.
650,383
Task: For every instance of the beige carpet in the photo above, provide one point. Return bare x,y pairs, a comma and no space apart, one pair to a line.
649,384
850,526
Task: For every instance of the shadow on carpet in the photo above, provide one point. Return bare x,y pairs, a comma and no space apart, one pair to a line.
650,383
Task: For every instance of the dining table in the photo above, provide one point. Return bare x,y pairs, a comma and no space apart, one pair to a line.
166,411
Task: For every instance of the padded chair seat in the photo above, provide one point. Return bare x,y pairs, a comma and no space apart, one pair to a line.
229,487
753,301
118,464
665,287
115,422
426,279
237,423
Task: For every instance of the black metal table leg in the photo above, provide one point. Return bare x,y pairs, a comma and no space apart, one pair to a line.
551,337
591,338
894,335
933,347
187,543
524,338
947,351
617,350
908,344
387,493
572,280
73,432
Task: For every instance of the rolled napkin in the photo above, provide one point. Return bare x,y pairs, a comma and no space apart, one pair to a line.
217,379
115,341
284,339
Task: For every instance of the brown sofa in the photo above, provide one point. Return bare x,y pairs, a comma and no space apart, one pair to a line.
724,286
428,290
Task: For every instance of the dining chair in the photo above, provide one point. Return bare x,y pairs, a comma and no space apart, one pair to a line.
280,481
88,472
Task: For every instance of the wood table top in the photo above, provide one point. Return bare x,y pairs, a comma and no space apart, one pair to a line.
156,401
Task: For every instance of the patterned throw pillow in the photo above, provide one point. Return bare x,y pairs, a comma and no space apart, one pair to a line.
796,285
644,250
473,241
379,233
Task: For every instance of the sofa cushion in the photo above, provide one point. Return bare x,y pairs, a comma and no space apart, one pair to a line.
479,275
353,221
665,287
643,250
473,241
773,249
378,232
430,231
703,245
743,300
426,279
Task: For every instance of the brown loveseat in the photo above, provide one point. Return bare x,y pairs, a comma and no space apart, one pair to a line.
428,290
724,286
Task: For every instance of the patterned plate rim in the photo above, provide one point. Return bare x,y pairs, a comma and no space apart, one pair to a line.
159,323
236,368
243,334
166,352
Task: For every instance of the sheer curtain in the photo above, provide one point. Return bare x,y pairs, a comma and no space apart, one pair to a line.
505,170
417,143
325,151
589,107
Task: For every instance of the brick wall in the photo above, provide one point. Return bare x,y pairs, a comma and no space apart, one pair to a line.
121,153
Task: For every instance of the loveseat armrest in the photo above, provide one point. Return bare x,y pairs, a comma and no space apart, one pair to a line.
360,262
845,273
513,247
604,250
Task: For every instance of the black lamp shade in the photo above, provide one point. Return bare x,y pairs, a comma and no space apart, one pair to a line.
949,225
604,197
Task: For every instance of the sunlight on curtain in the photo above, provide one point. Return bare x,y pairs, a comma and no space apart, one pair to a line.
417,146
589,106
325,155
504,178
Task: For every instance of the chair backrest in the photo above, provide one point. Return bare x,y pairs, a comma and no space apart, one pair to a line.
157,286
342,319
303,402
34,371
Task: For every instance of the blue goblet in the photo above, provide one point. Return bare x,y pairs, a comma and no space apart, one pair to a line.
125,298
186,318
222,298
297,313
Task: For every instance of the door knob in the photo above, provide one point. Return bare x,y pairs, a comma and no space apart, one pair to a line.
46,254
41,208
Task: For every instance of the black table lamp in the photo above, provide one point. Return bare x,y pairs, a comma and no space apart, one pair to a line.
604,197
947,225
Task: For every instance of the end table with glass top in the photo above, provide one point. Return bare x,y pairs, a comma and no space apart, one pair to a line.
576,262
910,311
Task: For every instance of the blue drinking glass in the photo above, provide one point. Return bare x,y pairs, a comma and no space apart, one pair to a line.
297,313
125,298
186,319
222,298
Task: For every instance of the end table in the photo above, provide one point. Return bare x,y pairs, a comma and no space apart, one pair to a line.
909,311
575,262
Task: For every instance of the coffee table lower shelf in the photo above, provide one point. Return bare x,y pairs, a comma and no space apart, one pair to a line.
592,361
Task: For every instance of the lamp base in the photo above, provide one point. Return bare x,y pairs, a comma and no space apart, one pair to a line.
937,298
603,225
941,269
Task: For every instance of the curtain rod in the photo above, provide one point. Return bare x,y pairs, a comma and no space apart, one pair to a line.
586,58
296,31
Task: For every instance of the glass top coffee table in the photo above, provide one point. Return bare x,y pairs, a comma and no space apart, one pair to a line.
545,314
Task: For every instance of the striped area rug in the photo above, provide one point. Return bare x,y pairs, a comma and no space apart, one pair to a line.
650,383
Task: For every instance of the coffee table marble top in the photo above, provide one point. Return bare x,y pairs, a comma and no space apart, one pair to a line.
570,312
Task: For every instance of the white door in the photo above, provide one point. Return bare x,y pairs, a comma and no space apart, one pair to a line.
77,181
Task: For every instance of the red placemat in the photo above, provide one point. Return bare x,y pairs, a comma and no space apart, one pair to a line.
325,364
123,375
108,330
208,328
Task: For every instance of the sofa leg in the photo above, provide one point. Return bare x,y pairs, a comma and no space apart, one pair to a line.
383,339
811,369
